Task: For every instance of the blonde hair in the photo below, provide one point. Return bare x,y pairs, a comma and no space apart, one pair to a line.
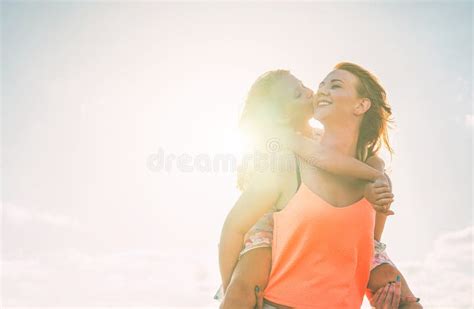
262,105
262,101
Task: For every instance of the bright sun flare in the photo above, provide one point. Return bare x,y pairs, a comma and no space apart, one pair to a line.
316,124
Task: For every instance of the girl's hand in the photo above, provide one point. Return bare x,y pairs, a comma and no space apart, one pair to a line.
380,195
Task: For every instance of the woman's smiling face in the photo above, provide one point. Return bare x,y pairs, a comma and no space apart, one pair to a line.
336,98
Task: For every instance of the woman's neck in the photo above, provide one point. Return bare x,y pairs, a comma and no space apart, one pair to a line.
343,139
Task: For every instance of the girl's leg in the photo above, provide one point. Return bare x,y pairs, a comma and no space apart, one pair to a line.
253,269
384,271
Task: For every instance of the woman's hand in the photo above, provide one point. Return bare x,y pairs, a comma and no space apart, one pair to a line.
379,194
388,296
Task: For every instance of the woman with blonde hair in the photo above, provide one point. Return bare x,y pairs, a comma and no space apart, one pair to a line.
322,235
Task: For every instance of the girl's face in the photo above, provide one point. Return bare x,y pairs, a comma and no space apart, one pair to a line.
337,99
298,100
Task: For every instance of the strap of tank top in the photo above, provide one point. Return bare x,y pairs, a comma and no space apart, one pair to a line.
298,172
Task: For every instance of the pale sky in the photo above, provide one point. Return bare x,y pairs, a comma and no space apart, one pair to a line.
92,91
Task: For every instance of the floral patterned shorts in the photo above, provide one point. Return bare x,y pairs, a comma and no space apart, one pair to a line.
261,235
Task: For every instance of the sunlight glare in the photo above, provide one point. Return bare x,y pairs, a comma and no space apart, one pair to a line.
316,124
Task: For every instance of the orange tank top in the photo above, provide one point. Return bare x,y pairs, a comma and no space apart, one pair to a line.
321,253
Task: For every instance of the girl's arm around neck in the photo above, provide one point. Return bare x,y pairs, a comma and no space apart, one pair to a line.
330,160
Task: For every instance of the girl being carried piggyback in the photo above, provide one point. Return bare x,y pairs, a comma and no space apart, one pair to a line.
278,106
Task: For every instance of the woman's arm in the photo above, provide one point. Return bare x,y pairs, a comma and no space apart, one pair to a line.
254,202
330,160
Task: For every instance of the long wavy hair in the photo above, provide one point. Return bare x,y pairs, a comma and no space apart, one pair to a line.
262,107
373,132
